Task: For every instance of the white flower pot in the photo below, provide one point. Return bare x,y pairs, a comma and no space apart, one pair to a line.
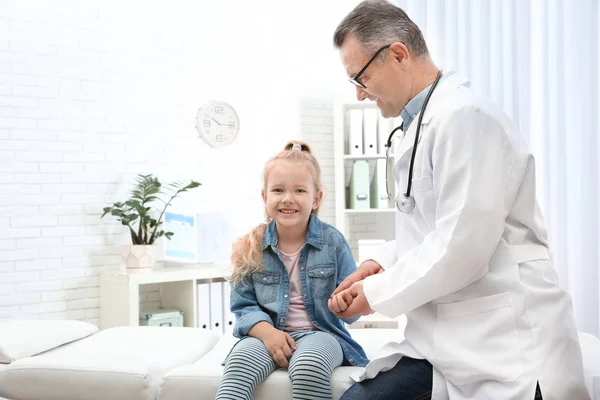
139,255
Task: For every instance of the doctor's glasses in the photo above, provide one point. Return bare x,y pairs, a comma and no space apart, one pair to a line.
356,78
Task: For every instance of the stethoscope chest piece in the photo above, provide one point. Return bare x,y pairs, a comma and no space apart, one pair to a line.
406,204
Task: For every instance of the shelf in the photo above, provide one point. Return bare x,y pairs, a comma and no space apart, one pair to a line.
364,157
168,274
369,210
120,291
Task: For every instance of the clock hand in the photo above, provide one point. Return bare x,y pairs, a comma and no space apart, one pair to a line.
216,121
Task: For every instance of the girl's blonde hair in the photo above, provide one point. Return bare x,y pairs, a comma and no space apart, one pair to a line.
246,255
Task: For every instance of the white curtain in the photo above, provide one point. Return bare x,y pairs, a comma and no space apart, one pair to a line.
539,59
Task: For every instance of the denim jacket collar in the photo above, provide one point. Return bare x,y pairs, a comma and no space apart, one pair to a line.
314,236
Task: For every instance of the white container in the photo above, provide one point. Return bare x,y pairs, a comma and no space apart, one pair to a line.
368,248
139,256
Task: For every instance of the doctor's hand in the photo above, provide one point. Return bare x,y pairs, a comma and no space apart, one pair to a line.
365,269
358,304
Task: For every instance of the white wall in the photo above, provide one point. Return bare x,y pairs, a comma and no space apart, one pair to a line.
94,92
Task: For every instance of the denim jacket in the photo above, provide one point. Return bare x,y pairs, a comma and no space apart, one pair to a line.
325,261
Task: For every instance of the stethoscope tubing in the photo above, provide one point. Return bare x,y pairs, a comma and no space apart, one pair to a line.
407,194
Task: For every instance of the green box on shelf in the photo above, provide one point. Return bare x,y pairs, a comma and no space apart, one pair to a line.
161,317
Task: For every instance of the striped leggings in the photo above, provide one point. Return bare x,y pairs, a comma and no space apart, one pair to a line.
317,354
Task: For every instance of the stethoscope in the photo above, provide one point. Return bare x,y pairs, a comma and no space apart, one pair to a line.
407,204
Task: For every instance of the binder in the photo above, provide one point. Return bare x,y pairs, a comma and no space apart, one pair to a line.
379,197
203,305
356,132
370,132
229,319
358,191
216,307
384,128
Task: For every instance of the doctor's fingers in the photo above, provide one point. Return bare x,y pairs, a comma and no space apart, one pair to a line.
346,283
348,296
359,306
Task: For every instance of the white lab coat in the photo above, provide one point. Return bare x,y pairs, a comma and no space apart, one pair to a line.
470,267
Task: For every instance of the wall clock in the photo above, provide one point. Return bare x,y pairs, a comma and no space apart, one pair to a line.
217,123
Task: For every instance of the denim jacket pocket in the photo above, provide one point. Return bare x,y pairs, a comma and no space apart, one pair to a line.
321,280
265,286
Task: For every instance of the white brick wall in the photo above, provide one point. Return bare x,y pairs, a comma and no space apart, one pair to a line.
93,93
84,107
316,128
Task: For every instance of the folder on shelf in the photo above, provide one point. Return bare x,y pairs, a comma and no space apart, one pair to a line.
379,196
370,132
216,306
384,128
203,305
355,133
229,319
358,191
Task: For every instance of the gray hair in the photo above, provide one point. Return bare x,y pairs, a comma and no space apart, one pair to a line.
376,23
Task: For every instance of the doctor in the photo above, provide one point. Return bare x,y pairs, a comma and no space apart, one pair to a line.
470,268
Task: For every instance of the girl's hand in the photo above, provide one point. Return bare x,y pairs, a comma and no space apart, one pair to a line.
359,304
340,302
280,346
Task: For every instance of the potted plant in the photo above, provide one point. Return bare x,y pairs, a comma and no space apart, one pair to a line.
138,215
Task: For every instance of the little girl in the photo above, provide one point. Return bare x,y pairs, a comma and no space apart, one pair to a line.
284,272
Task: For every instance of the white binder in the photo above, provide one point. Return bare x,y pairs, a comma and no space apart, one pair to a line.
203,305
229,316
384,129
216,307
356,133
370,132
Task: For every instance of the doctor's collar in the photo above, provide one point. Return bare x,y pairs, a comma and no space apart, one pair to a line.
413,107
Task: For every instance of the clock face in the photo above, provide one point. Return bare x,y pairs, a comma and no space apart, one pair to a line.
217,123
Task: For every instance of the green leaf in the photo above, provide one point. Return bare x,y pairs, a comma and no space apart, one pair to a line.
135,211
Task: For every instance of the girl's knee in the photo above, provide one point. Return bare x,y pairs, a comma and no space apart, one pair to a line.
250,355
307,365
